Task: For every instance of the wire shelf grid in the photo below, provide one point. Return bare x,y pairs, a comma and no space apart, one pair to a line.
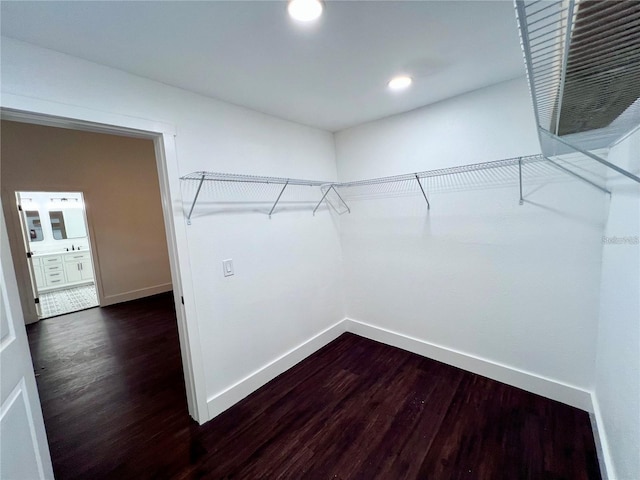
583,64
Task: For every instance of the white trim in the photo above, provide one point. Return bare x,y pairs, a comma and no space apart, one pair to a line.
135,294
529,381
176,232
232,395
19,108
607,469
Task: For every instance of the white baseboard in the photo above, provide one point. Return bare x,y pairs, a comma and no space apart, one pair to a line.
531,382
227,398
135,294
600,437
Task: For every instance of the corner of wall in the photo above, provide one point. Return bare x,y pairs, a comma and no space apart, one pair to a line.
232,395
607,469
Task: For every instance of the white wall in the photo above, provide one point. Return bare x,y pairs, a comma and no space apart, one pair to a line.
287,285
478,274
617,383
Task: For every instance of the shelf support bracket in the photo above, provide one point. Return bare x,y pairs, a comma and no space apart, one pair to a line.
566,170
322,199
520,179
341,199
592,156
195,199
422,190
278,199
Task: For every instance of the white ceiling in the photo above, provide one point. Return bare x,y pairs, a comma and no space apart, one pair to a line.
331,75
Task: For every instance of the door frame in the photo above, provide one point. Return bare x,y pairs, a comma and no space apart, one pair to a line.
42,112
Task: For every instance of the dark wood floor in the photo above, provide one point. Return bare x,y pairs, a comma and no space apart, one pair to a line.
112,391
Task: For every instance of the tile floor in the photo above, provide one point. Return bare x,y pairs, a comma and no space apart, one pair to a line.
69,300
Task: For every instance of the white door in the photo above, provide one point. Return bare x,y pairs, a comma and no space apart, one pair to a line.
26,228
24,452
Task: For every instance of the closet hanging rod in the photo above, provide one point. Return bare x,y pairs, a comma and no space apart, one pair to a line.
507,162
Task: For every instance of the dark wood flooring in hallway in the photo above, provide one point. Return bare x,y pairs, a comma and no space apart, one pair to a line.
112,392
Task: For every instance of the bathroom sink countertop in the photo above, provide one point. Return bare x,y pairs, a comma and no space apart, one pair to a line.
58,252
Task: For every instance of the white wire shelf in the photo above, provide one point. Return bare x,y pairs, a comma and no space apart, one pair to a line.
506,171
583,65
473,167
235,178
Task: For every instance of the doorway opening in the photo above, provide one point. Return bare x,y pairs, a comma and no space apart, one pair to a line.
162,135
59,260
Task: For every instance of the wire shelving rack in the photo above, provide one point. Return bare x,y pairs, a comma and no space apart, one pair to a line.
510,168
583,64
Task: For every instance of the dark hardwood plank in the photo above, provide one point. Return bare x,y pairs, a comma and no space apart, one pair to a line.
112,391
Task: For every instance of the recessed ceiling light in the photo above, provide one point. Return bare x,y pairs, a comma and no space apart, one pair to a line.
305,10
400,82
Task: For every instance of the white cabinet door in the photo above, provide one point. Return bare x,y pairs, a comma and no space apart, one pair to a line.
24,452
40,283
78,267
86,270
73,272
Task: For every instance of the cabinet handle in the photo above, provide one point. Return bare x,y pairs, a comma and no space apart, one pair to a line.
78,266
55,281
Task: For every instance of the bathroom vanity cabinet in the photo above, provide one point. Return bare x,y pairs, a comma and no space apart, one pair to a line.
62,270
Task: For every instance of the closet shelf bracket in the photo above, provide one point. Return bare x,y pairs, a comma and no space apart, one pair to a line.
520,179
324,195
566,170
592,156
278,199
330,187
195,199
422,190
341,199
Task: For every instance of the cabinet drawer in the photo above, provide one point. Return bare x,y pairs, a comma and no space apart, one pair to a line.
54,278
50,260
53,268
76,257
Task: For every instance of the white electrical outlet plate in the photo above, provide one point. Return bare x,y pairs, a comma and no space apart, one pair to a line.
227,267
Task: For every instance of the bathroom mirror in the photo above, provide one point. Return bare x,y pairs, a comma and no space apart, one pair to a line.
75,224
34,226
68,223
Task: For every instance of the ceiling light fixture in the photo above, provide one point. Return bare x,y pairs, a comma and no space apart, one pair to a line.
400,82
305,10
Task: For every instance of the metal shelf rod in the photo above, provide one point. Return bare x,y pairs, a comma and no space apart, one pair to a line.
340,197
278,199
520,179
570,172
195,199
423,194
321,200
591,155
